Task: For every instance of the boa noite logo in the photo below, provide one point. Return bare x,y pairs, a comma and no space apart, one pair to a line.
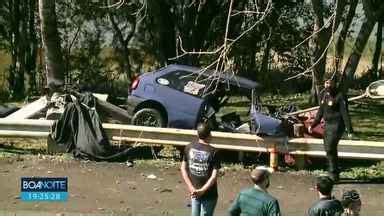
44,189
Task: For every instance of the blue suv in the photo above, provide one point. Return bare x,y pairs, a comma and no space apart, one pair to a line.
181,96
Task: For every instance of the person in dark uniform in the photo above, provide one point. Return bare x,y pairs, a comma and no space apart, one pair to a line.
334,110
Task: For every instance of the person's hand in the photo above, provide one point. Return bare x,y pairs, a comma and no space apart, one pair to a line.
199,193
192,191
349,135
310,129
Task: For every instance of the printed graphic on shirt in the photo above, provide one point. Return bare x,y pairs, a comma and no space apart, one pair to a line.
198,162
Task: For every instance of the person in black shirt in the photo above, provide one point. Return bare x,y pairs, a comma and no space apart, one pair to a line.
326,205
199,171
334,110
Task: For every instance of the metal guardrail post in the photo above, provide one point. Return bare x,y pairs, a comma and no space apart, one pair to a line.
273,158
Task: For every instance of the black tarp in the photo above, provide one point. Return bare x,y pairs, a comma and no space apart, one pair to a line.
7,110
80,130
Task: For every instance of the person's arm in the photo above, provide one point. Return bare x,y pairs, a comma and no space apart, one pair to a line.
318,117
234,209
345,115
186,178
274,208
312,212
211,181
213,178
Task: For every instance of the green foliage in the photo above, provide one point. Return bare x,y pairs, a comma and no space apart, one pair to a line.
365,173
4,64
89,70
97,45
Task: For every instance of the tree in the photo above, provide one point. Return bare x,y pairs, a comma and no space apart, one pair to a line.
322,37
18,37
123,22
98,53
340,43
373,10
375,73
51,42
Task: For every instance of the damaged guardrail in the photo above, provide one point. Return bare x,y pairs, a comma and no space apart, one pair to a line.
29,128
231,141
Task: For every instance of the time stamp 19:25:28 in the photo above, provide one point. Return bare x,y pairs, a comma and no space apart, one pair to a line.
44,188
46,196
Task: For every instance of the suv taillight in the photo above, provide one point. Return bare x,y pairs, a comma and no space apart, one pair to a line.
134,84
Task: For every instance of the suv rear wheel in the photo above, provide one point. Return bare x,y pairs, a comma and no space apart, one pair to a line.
148,117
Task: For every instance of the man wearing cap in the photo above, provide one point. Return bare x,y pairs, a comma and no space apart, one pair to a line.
327,204
255,200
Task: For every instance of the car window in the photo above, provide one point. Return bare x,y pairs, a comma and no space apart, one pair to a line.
184,81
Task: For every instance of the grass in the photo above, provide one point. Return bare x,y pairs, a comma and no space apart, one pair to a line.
375,171
17,146
367,119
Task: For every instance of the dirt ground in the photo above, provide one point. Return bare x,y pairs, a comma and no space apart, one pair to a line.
101,188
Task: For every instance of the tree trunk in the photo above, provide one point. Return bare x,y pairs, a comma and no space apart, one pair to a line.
376,54
318,45
343,35
125,64
164,22
19,87
358,48
13,45
16,76
31,52
373,11
265,60
51,44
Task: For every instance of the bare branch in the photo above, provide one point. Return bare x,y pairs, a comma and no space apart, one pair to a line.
180,41
142,12
332,19
115,5
236,12
268,9
222,64
308,70
316,32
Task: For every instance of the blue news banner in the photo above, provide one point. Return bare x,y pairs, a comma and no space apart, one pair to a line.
44,189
